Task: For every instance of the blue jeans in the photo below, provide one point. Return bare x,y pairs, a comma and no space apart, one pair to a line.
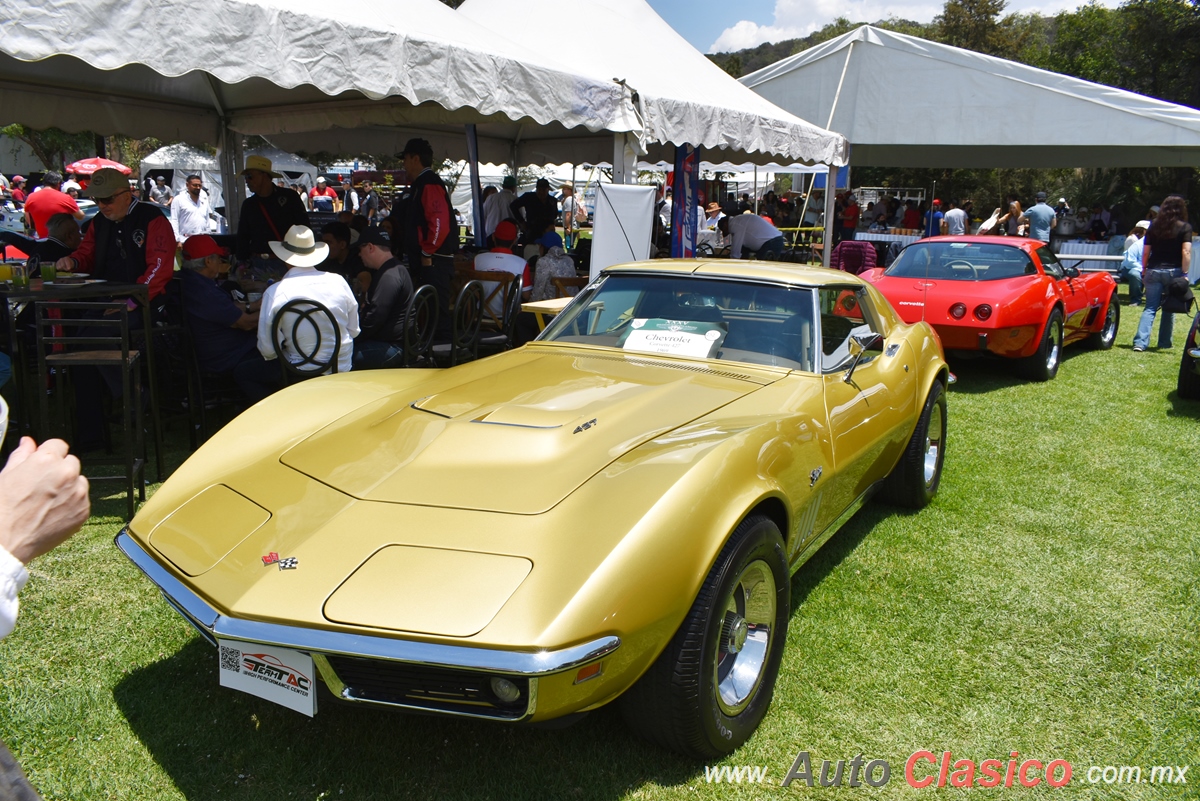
771,249
1156,286
372,354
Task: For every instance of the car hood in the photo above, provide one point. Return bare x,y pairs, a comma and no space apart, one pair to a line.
517,438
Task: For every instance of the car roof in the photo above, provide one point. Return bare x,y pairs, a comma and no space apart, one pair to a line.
1024,243
774,272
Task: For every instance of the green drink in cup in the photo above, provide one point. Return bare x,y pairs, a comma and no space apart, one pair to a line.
48,271
20,277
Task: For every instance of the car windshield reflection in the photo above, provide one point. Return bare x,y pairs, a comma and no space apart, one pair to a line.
727,320
961,261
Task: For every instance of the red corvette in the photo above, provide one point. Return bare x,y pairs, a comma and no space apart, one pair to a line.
1005,296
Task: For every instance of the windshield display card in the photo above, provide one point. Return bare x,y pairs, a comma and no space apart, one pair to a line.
674,337
280,675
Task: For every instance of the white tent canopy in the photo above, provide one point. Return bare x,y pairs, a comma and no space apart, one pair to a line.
684,98
958,108
185,71
186,160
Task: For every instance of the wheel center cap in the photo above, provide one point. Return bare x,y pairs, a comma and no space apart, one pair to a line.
738,631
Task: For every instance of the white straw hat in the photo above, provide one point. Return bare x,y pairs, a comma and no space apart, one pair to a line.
300,248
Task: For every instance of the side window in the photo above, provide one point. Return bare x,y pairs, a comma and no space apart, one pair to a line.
1050,263
845,312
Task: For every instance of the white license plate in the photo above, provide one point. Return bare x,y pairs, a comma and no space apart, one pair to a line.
280,675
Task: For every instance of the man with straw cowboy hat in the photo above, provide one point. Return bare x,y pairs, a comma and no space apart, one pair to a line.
267,215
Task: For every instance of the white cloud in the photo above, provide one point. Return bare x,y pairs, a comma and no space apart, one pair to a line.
796,18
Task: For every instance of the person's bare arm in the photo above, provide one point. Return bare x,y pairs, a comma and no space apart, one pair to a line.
43,498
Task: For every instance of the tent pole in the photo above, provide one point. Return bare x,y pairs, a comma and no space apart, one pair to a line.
624,159
233,192
830,186
476,200
756,189
838,94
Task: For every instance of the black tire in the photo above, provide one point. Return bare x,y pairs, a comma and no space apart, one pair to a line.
1189,381
1107,335
1043,365
688,701
914,480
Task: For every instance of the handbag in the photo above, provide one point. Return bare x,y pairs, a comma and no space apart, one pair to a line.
1179,297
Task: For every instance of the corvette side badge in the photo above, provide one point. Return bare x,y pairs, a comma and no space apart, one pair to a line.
287,563
813,476
270,559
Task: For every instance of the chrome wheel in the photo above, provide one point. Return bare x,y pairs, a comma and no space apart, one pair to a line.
933,444
1109,332
1055,347
745,639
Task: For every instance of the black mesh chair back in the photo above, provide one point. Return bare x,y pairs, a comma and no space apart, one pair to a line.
420,321
468,313
506,338
300,330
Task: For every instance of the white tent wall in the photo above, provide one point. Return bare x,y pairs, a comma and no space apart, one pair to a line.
185,160
978,111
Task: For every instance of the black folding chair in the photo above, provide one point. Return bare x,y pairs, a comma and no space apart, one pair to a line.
299,330
464,341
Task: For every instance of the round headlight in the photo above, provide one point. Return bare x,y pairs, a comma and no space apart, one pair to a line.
505,690
958,311
983,311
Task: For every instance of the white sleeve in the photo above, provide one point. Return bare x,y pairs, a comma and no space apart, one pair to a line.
13,576
738,234
266,310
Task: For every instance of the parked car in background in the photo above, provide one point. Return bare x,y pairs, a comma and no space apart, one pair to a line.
1007,297
612,512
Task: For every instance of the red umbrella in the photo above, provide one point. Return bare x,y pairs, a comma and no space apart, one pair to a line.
89,166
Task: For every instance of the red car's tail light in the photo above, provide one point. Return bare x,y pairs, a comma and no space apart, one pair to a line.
958,311
983,311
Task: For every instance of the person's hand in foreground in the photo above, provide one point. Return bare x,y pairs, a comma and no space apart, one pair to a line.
43,498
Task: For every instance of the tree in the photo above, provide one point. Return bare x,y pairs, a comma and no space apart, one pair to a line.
53,147
972,25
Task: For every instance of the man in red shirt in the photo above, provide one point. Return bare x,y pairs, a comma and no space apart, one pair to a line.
48,201
128,241
18,191
323,198
850,215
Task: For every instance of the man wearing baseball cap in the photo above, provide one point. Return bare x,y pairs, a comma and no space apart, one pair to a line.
224,333
933,219
382,312
267,215
429,234
1040,218
128,241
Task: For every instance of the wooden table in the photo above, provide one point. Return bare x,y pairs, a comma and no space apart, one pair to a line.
544,310
17,299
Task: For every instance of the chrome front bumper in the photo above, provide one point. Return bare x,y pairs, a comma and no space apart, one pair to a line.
321,644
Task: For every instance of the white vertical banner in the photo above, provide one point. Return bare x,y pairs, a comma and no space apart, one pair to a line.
623,225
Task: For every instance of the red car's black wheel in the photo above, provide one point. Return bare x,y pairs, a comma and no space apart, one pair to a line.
1107,335
1043,365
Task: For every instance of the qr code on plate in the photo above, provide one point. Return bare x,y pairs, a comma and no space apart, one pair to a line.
231,659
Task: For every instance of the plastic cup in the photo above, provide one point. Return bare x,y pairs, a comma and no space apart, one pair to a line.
5,272
20,278
48,271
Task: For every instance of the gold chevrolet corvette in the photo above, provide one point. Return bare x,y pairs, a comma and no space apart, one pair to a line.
612,512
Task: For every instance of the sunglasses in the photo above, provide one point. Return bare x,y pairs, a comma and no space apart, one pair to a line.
104,201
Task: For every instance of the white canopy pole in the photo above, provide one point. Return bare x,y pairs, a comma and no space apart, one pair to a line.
830,185
624,159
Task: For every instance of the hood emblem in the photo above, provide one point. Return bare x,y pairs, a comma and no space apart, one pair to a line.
813,476
584,426
287,563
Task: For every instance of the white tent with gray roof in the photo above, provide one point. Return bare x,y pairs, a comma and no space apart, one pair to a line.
907,102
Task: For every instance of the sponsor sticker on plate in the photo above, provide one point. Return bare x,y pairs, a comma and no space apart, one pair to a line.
280,675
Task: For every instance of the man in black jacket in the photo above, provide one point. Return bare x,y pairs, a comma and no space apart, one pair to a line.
383,311
266,216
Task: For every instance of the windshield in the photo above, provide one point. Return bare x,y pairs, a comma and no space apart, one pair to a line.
961,261
691,316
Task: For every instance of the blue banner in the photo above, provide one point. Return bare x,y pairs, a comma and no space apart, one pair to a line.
683,210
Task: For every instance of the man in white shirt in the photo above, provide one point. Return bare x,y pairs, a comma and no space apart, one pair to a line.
302,253
752,233
498,207
349,197
190,211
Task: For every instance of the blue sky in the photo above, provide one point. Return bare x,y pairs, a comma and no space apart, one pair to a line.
720,25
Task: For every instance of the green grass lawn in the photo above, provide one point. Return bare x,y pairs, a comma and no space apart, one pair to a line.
1046,603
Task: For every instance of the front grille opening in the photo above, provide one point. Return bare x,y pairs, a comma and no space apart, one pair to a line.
429,688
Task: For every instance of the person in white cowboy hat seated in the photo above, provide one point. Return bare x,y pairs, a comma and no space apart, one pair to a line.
267,215
302,253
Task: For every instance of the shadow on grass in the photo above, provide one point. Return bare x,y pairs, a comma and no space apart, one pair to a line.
983,374
215,742
1180,407
839,546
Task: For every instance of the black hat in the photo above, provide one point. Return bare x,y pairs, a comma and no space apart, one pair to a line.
375,236
418,147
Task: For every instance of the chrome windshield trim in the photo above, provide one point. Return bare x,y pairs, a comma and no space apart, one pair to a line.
199,613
